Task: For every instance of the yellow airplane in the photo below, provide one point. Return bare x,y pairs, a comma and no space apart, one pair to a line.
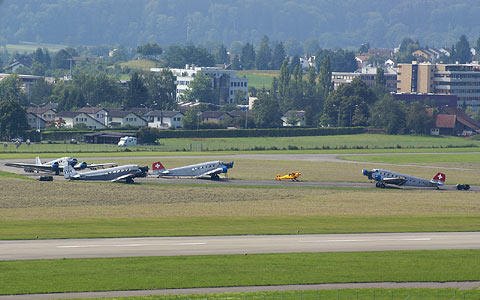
293,176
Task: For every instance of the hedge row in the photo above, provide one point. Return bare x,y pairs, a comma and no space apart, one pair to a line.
270,132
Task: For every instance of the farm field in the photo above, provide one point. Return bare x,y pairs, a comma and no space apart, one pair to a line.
259,78
358,143
68,275
31,47
139,64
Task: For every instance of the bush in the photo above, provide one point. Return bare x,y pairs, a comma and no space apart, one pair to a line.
270,132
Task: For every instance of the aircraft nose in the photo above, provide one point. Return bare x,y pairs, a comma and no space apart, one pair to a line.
364,172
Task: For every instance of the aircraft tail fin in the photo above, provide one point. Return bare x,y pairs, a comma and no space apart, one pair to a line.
157,168
68,171
38,161
439,178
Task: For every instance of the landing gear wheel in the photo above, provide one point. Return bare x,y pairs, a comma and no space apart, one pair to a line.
129,181
215,177
382,185
377,184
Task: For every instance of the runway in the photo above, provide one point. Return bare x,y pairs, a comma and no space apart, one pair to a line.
217,245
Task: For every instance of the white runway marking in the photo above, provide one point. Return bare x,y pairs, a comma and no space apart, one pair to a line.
128,245
367,240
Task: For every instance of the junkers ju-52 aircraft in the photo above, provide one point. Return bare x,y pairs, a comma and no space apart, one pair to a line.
121,173
384,177
211,168
57,165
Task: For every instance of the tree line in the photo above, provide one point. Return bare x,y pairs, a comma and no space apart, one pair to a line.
333,23
350,105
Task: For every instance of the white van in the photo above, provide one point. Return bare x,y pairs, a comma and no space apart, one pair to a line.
127,141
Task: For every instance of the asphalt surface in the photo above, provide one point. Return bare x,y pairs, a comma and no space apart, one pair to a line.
218,245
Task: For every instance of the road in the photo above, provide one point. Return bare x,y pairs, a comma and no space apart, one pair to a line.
217,245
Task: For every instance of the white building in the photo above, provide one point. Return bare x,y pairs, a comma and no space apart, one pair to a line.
225,82
97,113
35,122
164,119
122,118
72,118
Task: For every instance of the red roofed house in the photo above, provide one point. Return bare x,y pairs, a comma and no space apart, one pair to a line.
453,121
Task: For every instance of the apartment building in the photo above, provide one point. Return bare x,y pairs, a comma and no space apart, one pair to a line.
462,80
225,82
367,75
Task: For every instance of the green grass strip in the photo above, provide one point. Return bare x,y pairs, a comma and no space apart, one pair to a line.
4,174
423,159
69,275
73,153
198,226
345,294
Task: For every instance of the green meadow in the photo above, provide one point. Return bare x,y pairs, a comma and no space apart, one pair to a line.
358,293
357,143
136,273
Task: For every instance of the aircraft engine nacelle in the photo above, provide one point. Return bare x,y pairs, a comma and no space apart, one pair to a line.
224,169
83,165
378,177
73,162
55,167
144,171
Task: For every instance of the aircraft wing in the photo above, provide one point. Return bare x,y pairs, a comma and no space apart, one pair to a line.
123,177
397,181
212,172
30,166
95,166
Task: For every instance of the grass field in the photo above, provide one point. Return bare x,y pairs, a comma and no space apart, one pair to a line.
357,143
350,294
454,158
327,171
31,47
63,226
259,78
68,275
139,64
30,208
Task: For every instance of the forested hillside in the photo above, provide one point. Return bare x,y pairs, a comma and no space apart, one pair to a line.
334,23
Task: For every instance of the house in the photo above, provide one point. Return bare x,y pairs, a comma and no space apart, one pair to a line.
453,121
36,122
294,118
97,113
21,61
72,118
122,118
214,116
46,112
164,119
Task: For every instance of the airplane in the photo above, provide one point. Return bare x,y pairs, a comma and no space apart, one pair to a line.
114,174
211,168
384,177
57,165
293,176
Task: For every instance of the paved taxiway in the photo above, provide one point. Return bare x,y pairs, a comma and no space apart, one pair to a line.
216,245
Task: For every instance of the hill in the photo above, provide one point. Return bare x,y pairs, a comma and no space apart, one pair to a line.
347,23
